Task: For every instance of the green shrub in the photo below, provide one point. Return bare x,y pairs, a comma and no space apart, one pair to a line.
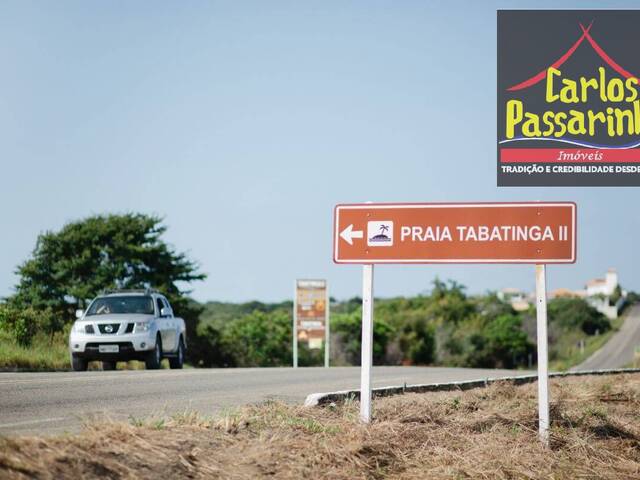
258,339
501,344
23,323
571,313
417,341
348,328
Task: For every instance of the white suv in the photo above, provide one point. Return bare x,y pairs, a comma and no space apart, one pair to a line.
127,325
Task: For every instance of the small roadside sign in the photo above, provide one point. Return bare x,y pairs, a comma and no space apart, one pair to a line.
403,233
311,309
516,232
311,316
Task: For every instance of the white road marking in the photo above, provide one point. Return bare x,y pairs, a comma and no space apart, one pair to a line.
55,377
84,378
31,422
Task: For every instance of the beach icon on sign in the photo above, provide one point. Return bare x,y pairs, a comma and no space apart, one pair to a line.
380,234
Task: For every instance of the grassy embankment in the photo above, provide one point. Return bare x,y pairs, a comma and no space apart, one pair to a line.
483,433
46,355
566,353
42,355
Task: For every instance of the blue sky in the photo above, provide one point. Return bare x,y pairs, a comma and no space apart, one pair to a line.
244,123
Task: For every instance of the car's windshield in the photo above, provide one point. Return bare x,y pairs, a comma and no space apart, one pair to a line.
122,304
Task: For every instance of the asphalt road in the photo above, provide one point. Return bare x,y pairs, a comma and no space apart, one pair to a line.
52,403
620,349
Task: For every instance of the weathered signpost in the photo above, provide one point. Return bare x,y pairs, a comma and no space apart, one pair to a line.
536,233
311,316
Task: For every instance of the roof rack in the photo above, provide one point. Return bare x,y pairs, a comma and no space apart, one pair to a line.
146,291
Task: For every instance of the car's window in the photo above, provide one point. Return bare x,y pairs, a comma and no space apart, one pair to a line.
160,306
167,306
122,304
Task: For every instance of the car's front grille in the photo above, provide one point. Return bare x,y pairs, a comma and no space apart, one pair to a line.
108,328
129,328
89,329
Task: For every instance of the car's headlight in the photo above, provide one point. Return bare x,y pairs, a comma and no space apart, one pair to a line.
83,328
142,327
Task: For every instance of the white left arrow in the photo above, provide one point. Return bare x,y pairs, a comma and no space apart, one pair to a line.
348,234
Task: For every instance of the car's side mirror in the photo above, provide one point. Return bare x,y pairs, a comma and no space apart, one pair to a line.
164,312
79,313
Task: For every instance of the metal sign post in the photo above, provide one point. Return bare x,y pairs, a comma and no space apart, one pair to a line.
295,324
367,343
543,357
327,326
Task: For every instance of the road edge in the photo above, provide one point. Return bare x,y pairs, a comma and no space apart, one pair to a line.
324,398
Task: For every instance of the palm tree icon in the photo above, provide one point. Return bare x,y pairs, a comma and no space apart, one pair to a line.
383,229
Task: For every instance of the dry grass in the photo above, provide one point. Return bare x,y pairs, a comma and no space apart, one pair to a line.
485,433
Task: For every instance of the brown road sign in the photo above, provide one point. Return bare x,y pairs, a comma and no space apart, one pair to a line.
311,311
517,232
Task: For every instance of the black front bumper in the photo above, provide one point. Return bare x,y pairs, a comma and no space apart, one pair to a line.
126,352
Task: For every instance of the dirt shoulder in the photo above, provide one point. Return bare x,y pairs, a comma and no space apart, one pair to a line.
484,433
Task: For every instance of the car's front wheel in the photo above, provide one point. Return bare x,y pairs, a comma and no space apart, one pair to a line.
178,360
79,364
154,358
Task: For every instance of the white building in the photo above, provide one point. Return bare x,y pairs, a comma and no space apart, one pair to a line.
599,292
603,286
518,299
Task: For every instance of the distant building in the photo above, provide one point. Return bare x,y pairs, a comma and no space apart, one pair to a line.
597,293
508,294
518,299
603,286
566,293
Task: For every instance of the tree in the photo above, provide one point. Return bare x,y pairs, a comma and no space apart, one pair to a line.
450,304
633,297
71,266
616,295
